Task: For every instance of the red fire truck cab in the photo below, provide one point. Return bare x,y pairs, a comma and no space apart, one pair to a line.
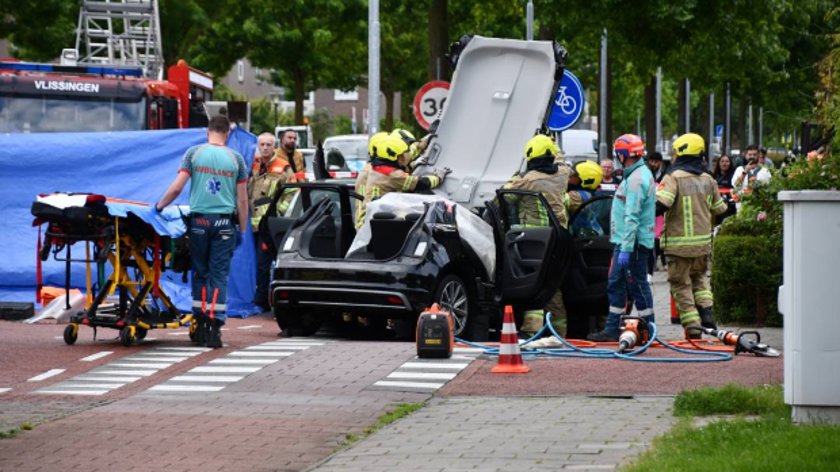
38,98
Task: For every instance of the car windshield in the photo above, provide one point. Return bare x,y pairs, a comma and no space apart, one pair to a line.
21,114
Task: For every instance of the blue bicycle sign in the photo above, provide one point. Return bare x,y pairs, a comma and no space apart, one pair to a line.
568,103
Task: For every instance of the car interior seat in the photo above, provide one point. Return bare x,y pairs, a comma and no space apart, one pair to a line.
388,233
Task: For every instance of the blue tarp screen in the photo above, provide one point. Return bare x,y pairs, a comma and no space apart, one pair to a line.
133,165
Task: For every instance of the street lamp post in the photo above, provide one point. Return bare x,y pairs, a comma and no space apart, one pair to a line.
276,103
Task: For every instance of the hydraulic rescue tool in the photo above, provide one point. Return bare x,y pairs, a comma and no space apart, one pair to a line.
435,337
636,332
745,341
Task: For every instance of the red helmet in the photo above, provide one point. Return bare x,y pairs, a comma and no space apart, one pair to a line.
629,145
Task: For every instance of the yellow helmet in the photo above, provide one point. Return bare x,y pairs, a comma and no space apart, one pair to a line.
690,144
540,146
405,135
374,141
390,147
590,174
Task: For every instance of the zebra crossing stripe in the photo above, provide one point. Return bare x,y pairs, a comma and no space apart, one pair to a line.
233,367
46,375
186,388
121,372
422,385
421,375
98,355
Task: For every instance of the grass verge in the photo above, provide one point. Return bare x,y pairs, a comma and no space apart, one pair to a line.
401,410
769,443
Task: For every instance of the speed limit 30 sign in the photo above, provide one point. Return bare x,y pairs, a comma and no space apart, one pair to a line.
429,102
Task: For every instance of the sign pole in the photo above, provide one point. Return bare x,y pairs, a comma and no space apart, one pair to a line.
602,100
373,66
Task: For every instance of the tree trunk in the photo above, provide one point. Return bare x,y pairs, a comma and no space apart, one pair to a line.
681,108
300,92
760,309
389,108
438,67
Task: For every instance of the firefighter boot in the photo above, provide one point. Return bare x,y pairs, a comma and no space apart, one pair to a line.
214,337
693,331
707,317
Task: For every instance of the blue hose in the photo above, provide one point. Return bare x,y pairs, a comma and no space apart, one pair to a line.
603,353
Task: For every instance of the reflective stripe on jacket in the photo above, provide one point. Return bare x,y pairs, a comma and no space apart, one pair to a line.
553,189
632,219
691,200
262,186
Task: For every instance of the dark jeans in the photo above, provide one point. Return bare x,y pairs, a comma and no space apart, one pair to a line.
212,241
264,259
633,279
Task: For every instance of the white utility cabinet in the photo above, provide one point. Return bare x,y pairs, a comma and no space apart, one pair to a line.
810,301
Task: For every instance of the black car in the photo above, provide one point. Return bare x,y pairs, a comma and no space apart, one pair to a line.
427,255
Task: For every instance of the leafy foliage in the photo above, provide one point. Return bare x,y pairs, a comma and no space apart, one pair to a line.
748,252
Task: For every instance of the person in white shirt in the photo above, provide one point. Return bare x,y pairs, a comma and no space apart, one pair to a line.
749,174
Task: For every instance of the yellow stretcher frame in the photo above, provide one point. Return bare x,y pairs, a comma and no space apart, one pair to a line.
128,250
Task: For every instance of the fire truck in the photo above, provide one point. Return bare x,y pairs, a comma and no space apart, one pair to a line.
53,97
112,80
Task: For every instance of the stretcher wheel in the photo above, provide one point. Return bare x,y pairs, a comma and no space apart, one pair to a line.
193,331
127,336
140,334
71,333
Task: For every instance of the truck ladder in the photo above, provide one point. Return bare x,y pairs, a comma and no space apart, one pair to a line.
121,32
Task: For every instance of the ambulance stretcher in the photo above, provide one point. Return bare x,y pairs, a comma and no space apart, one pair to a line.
130,244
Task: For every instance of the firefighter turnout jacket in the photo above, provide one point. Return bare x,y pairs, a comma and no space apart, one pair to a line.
263,183
553,188
296,160
374,181
691,197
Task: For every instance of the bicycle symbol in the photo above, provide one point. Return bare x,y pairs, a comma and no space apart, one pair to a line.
567,104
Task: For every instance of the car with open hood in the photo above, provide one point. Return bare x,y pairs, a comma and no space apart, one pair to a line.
462,246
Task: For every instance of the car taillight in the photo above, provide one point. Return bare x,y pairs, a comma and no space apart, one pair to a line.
283,295
394,300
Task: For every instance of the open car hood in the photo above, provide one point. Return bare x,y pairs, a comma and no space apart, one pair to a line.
497,101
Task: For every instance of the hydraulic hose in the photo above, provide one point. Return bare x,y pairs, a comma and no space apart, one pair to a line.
603,353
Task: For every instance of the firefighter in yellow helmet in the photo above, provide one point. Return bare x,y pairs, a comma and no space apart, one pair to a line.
386,173
549,178
584,180
362,176
689,197
415,146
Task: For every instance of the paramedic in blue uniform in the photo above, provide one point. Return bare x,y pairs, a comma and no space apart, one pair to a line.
218,191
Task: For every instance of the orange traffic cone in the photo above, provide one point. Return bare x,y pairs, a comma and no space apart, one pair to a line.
510,358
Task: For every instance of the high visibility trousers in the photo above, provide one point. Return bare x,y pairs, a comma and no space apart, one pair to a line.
690,287
533,320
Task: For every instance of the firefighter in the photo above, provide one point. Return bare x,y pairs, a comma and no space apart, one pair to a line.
268,173
688,197
415,147
631,230
361,178
546,176
288,151
386,174
584,180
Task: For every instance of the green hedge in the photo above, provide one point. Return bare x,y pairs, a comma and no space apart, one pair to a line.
747,253
747,272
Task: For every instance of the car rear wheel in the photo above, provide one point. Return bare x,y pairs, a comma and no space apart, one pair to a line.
295,322
453,296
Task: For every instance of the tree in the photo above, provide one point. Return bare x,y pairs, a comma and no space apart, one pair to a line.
403,49
38,30
308,43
